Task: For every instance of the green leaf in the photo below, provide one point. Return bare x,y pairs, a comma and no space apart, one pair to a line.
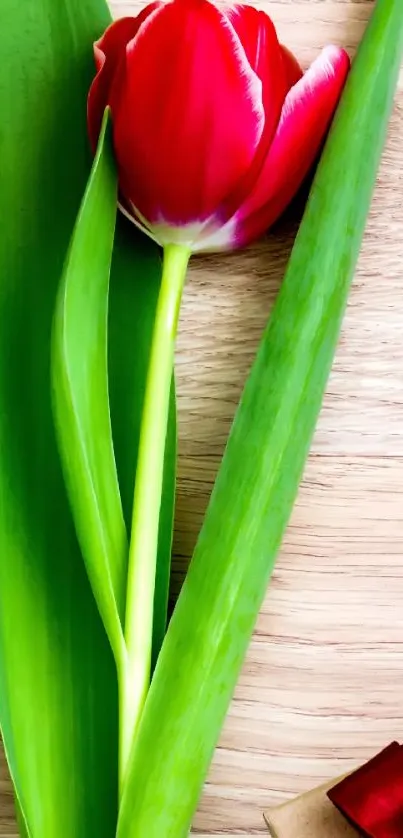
55,660
58,690
22,828
81,404
258,480
81,399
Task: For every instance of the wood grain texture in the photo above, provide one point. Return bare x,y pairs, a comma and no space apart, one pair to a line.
321,687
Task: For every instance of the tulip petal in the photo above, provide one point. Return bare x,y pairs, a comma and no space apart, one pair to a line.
279,71
305,119
293,71
187,135
108,51
259,39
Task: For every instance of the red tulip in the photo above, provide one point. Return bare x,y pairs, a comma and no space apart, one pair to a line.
215,127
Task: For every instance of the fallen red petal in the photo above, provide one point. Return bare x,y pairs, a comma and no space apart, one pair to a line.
371,798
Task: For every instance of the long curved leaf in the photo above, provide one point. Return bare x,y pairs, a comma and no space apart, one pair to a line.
81,398
22,827
58,694
55,660
81,395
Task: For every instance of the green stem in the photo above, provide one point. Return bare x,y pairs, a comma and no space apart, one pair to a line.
147,498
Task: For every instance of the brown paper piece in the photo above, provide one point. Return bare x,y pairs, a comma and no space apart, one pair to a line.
310,816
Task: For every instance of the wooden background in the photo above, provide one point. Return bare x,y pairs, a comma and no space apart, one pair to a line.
322,685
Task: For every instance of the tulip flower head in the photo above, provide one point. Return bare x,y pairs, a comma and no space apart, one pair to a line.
215,126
